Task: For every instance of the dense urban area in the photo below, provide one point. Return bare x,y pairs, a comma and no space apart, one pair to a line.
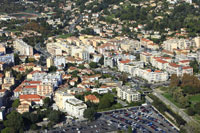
97,66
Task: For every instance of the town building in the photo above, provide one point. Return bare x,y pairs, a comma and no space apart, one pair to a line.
91,98
75,107
23,48
128,94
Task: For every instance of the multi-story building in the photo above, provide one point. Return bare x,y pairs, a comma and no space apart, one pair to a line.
108,62
84,55
23,48
173,44
44,89
33,98
7,58
128,94
60,97
9,79
59,61
75,107
145,57
49,62
54,78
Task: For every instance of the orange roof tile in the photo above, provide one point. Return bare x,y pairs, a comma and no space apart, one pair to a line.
187,67
174,65
3,90
34,82
1,75
184,61
125,61
157,71
148,70
161,61
30,86
91,97
31,97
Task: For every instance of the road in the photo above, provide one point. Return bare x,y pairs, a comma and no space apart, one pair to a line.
177,110
42,50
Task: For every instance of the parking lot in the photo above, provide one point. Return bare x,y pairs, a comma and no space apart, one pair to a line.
141,119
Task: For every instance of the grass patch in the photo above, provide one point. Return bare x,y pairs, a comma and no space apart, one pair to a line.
197,117
195,98
170,98
64,36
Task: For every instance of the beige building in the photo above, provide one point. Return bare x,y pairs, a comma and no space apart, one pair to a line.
197,41
68,103
49,62
23,48
145,57
9,79
60,97
23,108
128,94
44,89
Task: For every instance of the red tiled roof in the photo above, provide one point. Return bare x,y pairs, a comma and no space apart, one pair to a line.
166,58
184,61
148,70
3,90
174,65
1,75
187,67
91,97
34,72
161,61
147,54
30,86
157,71
125,61
168,52
34,82
32,97
18,89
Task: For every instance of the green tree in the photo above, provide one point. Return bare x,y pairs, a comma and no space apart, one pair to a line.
47,102
53,69
197,107
16,103
93,65
8,130
34,127
190,111
114,90
124,77
195,65
81,66
17,59
101,61
174,80
14,121
106,101
89,113
55,116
